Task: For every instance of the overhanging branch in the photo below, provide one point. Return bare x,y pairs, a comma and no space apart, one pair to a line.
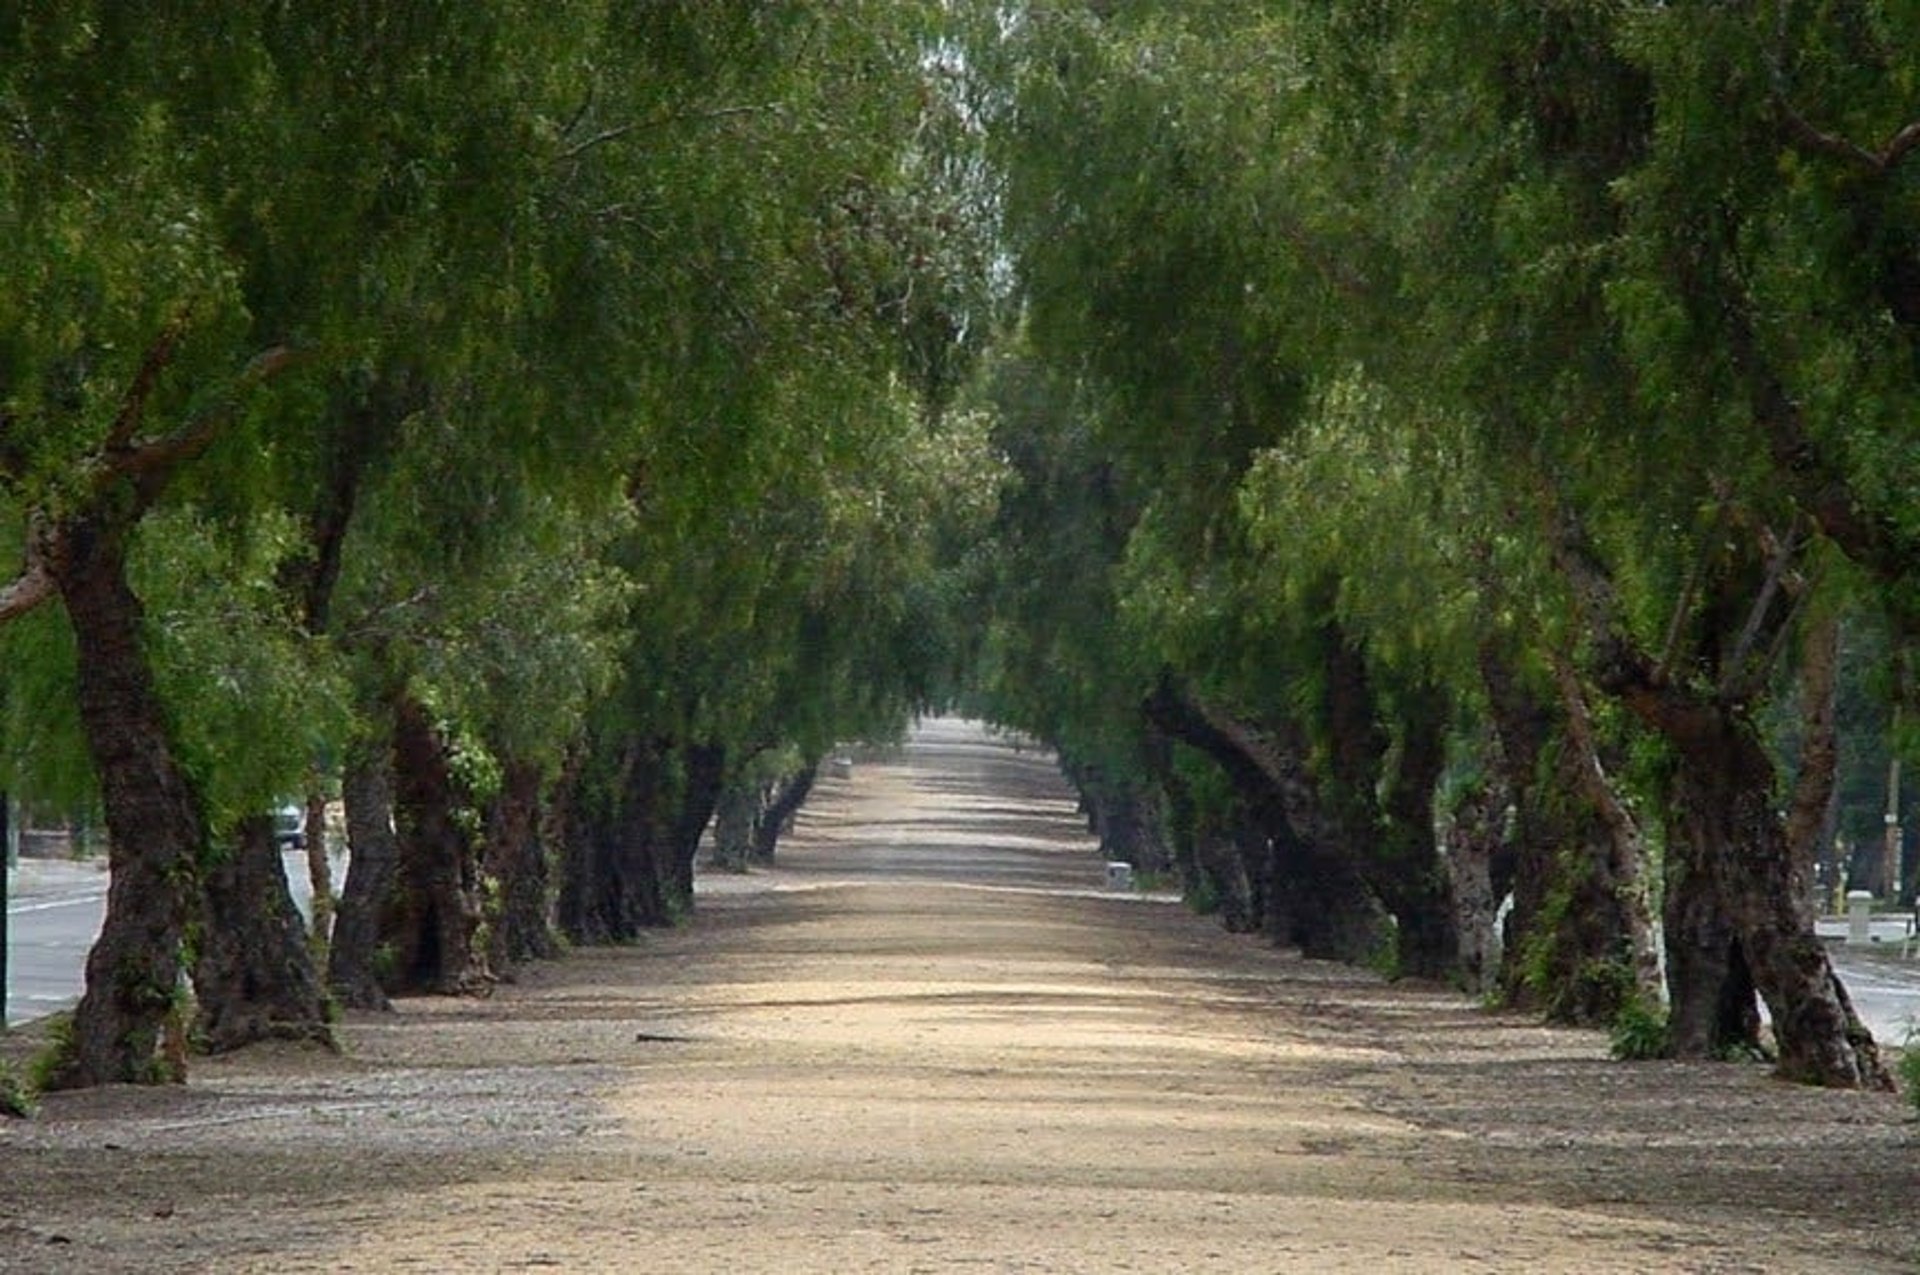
34,584
29,589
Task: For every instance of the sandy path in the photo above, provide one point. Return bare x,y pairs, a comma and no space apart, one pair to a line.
932,1042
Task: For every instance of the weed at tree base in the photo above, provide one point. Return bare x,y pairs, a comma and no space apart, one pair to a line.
1639,1031
1909,1067
17,1096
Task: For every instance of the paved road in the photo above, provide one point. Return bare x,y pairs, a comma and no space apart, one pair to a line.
53,915
54,910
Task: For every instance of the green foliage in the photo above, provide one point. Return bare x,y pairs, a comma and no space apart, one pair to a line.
18,1098
55,1057
1639,1031
1909,1068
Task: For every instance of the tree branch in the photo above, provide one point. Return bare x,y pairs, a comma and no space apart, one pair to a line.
1814,482
35,584
133,404
1778,562
149,463
1690,589
29,589
1816,140
618,131
1619,665
1814,788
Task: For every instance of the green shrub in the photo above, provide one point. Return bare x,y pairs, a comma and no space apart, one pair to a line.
1639,1031
56,1057
17,1097
1909,1067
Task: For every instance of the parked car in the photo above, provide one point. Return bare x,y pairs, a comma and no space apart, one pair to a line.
290,828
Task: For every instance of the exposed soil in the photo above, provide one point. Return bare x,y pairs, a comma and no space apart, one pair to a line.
931,1041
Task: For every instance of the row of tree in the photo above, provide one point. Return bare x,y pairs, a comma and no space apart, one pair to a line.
1401,456
1503,412
525,421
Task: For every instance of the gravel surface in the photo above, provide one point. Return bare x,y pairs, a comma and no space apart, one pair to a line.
931,1041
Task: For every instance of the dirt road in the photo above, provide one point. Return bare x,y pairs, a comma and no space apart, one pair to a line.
931,1041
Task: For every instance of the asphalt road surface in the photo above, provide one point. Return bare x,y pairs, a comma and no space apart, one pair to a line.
54,910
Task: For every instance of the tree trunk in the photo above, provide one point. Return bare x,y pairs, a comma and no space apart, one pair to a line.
1384,804
702,775
127,1027
1621,864
432,917
355,959
1809,815
1411,876
620,870
1567,945
319,871
253,972
777,814
1206,853
519,928
1725,792
1313,892
6,881
1475,841
733,825
1712,1012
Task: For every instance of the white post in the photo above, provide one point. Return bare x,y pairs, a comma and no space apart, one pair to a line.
1859,917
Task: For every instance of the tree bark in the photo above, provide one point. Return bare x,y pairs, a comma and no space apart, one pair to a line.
1384,803
1127,817
620,873
354,958
520,928
1809,813
777,814
1475,840
1621,862
1725,794
733,824
156,831
702,776
432,916
1567,931
319,871
253,971
1313,892
1712,1011
6,882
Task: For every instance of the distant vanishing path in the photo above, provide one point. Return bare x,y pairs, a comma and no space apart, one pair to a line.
930,1041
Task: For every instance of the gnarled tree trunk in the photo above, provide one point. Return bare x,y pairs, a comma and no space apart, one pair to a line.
1724,792
1313,891
778,811
619,873
1383,803
354,958
432,916
253,972
520,928
125,1028
1569,946
702,774
733,824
